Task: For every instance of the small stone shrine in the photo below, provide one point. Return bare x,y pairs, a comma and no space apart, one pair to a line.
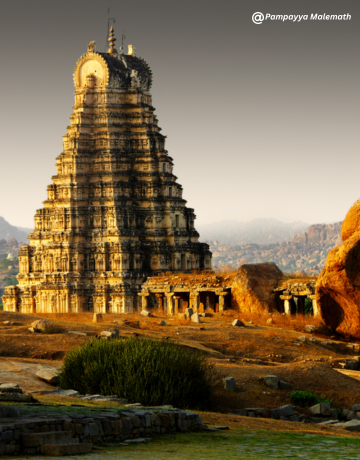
114,214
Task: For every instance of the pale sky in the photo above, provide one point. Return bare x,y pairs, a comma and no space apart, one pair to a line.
262,121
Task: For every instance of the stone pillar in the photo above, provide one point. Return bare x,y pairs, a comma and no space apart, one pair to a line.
159,301
144,300
287,306
314,305
222,301
194,301
177,298
169,303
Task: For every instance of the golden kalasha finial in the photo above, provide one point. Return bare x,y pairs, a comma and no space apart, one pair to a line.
91,47
112,41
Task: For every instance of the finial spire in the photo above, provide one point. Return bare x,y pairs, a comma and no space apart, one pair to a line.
112,41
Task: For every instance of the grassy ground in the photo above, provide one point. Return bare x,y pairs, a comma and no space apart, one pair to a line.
233,444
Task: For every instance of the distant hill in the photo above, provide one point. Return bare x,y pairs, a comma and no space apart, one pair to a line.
26,230
307,251
257,231
8,231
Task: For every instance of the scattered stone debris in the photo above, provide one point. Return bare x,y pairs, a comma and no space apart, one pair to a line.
48,374
272,381
98,318
145,313
195,318
237,323
229,383
41,325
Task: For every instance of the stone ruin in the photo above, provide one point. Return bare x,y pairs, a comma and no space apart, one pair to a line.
114,214
291,300
174,294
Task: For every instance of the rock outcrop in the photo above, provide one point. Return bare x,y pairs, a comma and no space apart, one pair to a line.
253,285
307,251
338,286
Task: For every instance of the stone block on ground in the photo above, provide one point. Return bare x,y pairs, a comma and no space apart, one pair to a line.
237,323
269,322
272,381
355,407
301,339
97,318
310,328
10,388
162,323
321,409
284,385
145,313
195,318
353,425
42,325
15,397
115,332
282,411
188,313
76,332
48,374
181,316
229,384
57,450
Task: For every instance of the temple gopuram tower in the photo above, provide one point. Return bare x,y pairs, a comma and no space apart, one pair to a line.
114,213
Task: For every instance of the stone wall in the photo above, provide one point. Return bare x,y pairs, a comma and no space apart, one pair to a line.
25,435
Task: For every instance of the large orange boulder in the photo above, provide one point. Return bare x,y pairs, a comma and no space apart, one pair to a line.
252,288
338,286
351,222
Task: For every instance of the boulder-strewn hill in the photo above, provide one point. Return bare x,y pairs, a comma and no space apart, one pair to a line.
307,251
8,231
258,231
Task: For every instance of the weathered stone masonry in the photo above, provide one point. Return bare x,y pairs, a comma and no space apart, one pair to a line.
27,435
114,214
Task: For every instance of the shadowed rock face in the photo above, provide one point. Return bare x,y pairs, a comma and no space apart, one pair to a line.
253,285
338,286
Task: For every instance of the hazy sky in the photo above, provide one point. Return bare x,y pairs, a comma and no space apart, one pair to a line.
262,120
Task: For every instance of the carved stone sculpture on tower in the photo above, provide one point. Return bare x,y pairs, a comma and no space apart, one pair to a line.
114,214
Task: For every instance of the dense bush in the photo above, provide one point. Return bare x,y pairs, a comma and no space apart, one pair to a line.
307,398
140,370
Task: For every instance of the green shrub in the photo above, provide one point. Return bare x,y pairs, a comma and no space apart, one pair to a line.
141,370
307,398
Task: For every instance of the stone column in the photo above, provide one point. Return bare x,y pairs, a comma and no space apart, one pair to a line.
177,298
194,301
169,303
159,303
314,305
222,300
287,307
144,300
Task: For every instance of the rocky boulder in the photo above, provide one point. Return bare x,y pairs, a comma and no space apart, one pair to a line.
338,286
48,374
41,325
253,285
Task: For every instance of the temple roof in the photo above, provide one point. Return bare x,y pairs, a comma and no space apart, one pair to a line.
127,68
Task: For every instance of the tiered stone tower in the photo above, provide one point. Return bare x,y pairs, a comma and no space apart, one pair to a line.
114,214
